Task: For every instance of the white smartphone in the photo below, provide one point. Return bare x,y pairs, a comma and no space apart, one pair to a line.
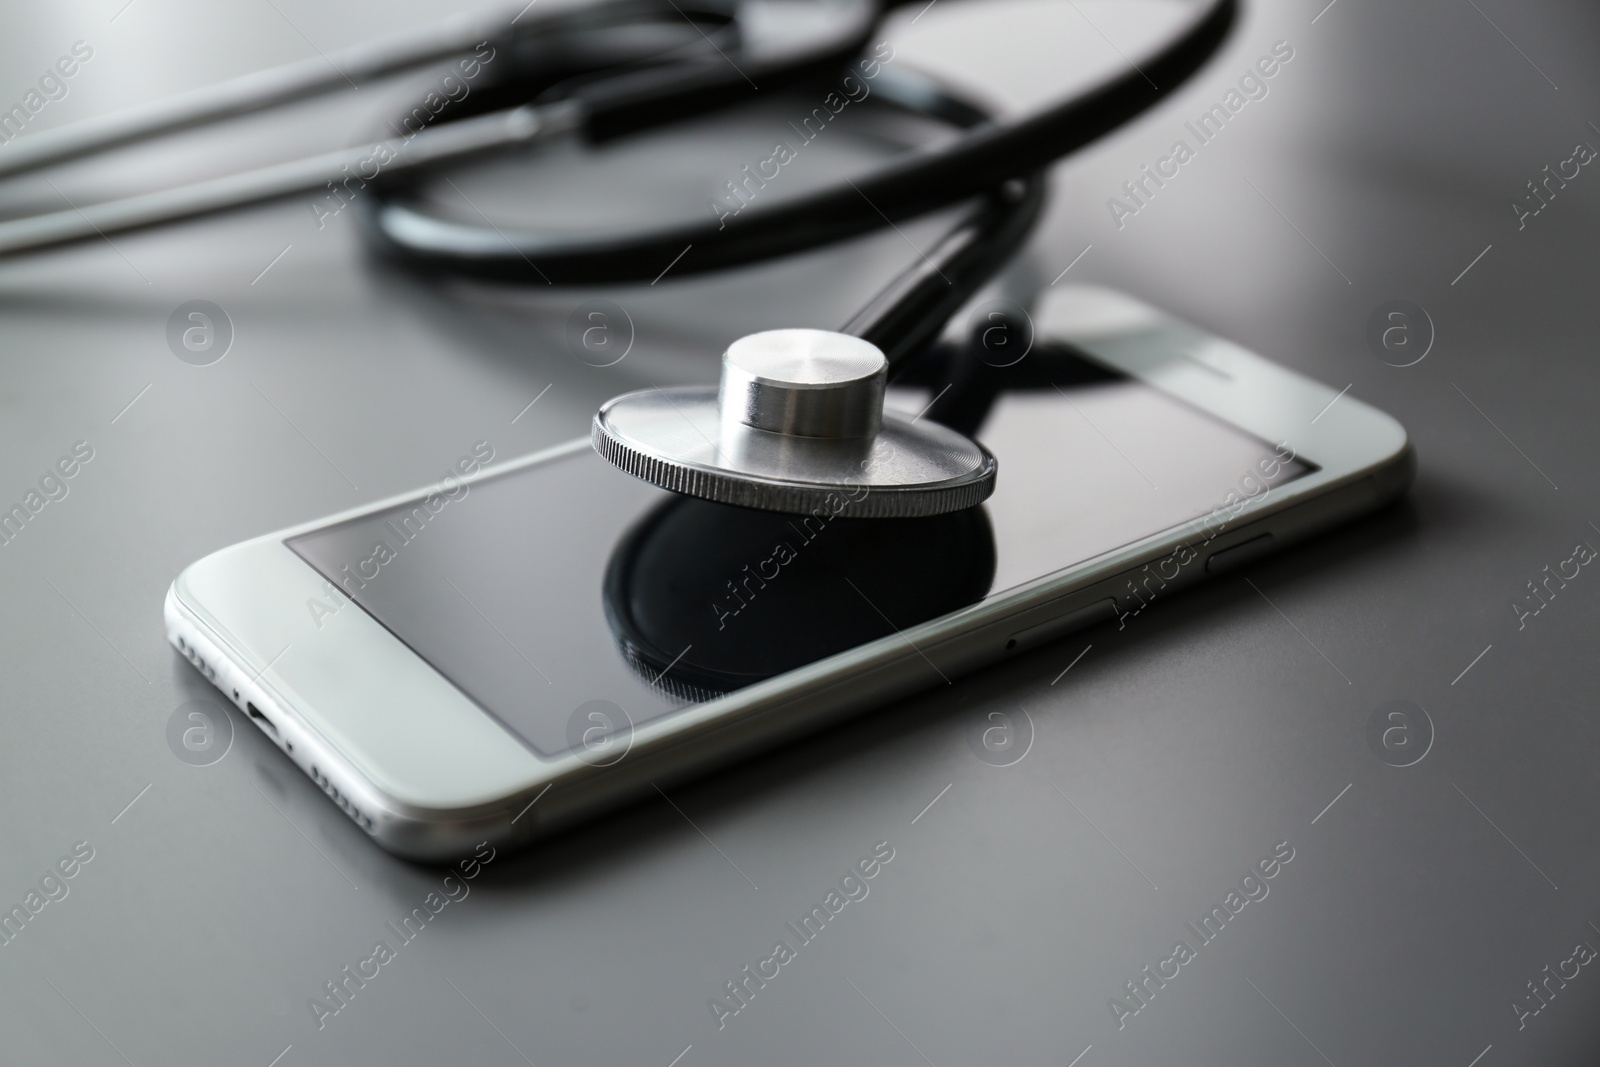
527,644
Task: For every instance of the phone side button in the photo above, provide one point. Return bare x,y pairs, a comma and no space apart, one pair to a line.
1239,555
1100,611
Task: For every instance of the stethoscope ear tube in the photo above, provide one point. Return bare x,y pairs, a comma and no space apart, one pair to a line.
982,159
601,104
659,95
603,69
909,313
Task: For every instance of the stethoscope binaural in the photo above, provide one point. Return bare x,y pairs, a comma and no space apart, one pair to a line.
798,414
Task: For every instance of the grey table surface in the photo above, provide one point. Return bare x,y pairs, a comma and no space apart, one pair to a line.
1421,902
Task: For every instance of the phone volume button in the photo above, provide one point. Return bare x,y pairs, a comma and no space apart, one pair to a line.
1077,619
1229,558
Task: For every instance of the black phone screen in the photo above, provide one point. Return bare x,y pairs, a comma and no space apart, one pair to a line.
571,601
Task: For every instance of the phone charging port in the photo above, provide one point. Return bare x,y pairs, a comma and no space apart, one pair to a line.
255,713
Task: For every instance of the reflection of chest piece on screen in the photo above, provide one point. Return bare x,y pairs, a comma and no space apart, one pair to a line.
797,423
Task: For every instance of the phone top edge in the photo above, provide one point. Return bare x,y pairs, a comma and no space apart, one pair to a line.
1220,377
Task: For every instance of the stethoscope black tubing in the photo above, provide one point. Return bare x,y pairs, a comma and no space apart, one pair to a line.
600,69
908,314
981,160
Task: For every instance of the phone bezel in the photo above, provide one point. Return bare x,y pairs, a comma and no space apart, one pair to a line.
423,768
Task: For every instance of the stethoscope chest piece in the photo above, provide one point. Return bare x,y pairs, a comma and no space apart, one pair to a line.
797,425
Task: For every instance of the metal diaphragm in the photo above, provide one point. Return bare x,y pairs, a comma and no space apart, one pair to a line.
797,424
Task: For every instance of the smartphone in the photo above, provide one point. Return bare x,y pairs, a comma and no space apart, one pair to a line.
527,643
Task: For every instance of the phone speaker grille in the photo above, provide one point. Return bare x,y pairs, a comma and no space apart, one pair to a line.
361,820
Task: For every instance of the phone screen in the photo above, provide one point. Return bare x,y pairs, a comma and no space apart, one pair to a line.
572,601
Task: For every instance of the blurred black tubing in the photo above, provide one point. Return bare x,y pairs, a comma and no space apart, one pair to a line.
910,312
984,158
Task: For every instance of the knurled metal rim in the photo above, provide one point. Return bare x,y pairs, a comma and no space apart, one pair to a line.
891,502
660,679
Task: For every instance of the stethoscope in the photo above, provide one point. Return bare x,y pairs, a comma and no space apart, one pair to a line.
797,421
